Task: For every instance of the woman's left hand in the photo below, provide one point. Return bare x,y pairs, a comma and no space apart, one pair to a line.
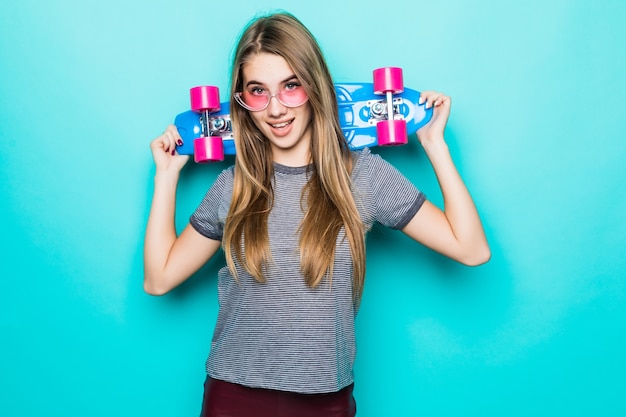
433,130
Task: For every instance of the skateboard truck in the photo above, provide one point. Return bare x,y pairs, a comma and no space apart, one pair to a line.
221,126
388,81
378,110
207,147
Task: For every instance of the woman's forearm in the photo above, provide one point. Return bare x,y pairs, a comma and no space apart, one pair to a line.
160,231
459,207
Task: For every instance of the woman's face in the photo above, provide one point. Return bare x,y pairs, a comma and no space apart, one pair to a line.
287,128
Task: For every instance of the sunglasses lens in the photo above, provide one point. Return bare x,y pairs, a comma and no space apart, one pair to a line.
293,98
253,101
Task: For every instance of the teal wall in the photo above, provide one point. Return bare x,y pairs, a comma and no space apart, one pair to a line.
537,130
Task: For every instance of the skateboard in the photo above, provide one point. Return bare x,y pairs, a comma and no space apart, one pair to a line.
381,113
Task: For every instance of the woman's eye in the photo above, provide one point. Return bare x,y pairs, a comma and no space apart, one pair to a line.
292,85
257,91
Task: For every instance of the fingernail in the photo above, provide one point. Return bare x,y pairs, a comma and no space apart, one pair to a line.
421,101
180,142
173,152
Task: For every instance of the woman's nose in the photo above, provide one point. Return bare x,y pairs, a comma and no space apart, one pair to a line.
275,107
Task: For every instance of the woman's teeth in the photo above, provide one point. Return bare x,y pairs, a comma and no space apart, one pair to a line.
279,125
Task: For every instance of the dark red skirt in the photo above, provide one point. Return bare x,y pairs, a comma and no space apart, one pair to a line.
224,399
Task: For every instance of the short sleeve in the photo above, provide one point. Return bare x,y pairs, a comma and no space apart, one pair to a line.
209,217
394,200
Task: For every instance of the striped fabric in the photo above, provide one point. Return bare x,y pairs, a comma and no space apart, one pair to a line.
282,334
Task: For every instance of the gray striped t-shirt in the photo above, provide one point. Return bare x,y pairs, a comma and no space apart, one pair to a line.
282,334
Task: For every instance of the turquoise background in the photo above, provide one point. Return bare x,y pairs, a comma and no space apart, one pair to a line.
537,130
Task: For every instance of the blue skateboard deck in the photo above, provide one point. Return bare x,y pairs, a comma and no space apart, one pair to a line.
359,111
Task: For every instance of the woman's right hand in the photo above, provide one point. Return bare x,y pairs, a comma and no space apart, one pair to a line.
164,152
170,259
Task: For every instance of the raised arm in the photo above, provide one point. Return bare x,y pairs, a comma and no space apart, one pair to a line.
456,231
170,259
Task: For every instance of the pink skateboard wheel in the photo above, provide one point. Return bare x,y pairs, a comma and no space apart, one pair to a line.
208,149
388,79
205,98
391,132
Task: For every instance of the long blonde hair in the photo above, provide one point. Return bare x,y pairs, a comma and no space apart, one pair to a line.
327,197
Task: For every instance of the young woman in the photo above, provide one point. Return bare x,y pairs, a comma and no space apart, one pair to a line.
291,217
